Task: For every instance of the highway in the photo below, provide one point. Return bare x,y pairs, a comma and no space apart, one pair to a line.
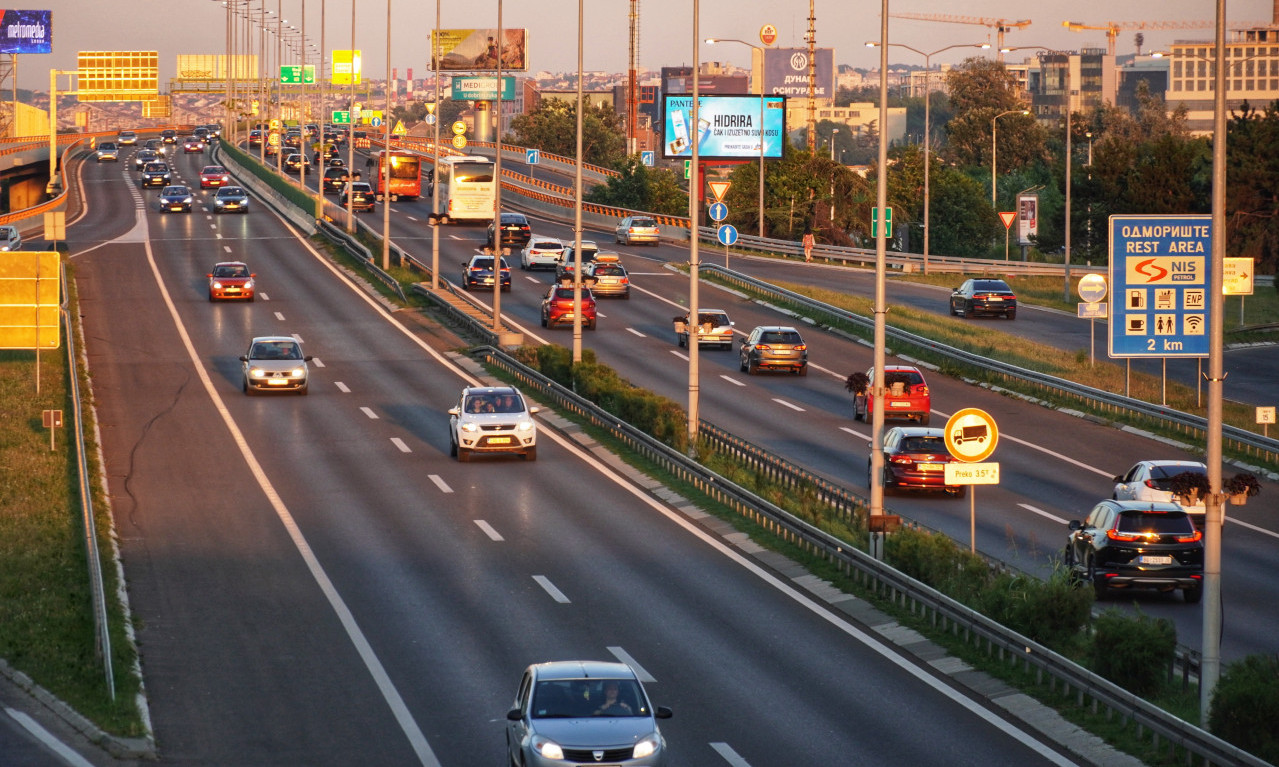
314,581
1054,465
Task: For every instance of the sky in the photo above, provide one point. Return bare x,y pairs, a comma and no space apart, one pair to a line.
174,27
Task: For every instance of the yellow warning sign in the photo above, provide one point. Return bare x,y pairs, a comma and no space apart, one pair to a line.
399,128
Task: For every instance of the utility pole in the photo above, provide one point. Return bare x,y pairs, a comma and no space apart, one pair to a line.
812,77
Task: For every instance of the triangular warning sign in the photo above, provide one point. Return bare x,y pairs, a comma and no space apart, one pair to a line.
399,127
1008,218
718,189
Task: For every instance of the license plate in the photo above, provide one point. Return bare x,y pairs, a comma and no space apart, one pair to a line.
230,205
899,404
175,207
993,299
233,290
499,440
1151,559
930,467
276,381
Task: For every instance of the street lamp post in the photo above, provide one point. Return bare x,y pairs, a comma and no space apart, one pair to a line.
833,133
928,124
994,147
712,41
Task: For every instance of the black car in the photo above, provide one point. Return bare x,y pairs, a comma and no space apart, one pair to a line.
176,199
144,156
335,179
362,196
982,296
156,174
478,272
292,163
1137,544
169,136
255,137
774,348
515,231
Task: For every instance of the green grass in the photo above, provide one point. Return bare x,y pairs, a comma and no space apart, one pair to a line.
46,618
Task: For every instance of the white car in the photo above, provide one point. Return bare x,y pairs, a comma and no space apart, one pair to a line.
541,253
1151,481
10,238
127,138
275,363
492,419
635,229
108,151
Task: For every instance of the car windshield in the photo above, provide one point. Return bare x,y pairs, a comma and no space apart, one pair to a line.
496,402
708,318
230,191
547,246
156,167
276,350
996,285
571,699
924,445
1153,522
779,337
908,377
609,269
174,191
231,271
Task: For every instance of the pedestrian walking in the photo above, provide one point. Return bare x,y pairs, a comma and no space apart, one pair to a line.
808,244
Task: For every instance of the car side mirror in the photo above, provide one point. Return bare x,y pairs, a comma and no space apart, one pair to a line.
664,712
253,276
1119,478
307,358
1075,525
533,410
514,715
210,275
454,411
243,358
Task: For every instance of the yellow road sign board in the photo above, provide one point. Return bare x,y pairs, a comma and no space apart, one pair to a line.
1236,276
971,435
459,142
459,128
30,294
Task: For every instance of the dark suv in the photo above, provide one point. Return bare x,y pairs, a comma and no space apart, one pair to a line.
774,347
515,231
1137,544
335,179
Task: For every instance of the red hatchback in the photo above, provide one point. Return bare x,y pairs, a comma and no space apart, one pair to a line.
907,396
557,307
231,280
214,175
916,458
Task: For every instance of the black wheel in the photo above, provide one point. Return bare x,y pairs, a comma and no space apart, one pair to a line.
1011,315
544,321
531,454
304,390
463,455
803,370
741,364
952,309
959,491
249,391
1192,595
680,341
452,446
591,325
1098,584
752,367
923,420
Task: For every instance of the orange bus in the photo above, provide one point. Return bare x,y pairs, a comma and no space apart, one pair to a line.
406,174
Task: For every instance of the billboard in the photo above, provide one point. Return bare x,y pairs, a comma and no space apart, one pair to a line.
475,50
1161,277
482,89
213,67
786,72
728,127
118,75
1027,218
346,65
26,32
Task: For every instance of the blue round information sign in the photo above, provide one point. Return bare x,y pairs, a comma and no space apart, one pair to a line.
718,211
727,234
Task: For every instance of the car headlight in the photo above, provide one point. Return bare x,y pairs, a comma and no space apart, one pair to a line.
297,372
188,200
647,746
525,426
256,372
248,284
217,285
470,428
546,748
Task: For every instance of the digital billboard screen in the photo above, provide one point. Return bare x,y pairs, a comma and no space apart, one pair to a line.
26,32
728,127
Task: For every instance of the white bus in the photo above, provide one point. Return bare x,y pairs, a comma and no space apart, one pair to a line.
467,187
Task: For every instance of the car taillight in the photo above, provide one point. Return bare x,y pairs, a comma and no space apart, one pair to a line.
763,346
1115,535
1197,536
801,348
1150,483
902,459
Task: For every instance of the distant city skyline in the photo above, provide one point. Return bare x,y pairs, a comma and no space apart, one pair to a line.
666,37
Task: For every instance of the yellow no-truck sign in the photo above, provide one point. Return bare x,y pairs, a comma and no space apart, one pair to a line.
30,294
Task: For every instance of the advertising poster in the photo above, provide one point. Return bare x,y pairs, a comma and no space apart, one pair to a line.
786,72
1027,218
346,68
475,50
26,32
728,127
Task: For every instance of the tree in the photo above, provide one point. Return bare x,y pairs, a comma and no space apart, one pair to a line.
638,187
979,90
552,127
1252,191
963,223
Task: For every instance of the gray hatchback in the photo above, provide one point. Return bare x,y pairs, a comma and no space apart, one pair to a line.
584,712
774,347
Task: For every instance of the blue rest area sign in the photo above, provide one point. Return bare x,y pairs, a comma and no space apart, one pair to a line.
727,234
1161,282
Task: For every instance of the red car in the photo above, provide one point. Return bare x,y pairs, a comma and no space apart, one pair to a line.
192,145
214,175
231,280
907,395
916,458
557,307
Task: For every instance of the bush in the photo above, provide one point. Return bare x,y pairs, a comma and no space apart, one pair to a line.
1053,612
1245,706
939,562
1134,652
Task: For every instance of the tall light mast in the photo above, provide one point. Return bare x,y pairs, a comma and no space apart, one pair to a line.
632,87
812,77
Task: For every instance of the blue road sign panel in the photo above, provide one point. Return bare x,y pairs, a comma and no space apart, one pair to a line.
718,211
727,234
533,156
1159,270
648,158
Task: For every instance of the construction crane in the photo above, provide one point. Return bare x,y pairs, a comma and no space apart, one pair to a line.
1113,28
999,25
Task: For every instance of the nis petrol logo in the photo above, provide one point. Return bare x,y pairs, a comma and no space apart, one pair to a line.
1165,271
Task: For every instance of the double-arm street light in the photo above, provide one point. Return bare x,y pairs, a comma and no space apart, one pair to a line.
712,41
994,147
928,124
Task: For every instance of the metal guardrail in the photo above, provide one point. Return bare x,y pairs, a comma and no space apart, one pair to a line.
1240,441
942,612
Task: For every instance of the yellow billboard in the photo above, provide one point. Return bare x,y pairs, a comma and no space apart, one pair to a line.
216,67
30,294
346,65
117,75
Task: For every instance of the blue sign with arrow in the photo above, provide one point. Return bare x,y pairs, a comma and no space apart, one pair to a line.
727,234
718,211
533,156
